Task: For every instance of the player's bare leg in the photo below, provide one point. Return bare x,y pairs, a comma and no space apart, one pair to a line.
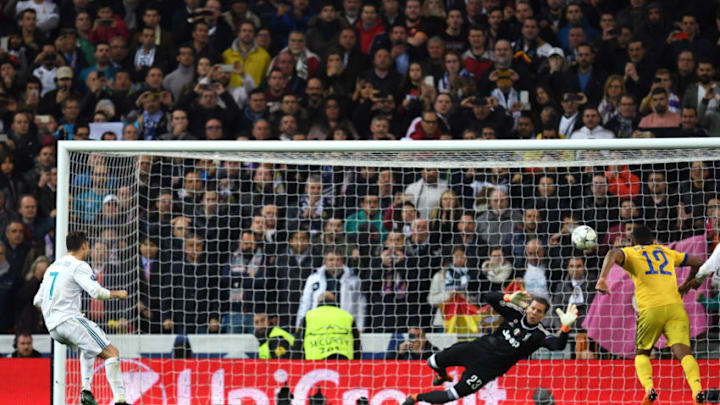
113,372
692,371
643,368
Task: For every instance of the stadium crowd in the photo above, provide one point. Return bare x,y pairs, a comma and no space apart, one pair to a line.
222,242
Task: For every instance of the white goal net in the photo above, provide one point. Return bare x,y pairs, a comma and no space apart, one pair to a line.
224,252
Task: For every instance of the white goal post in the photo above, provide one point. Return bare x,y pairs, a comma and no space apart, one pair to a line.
385,154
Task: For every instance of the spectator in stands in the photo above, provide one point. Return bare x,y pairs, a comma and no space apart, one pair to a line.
416,347
695,193
295,263
465,235
190,195
689,124
495,271
190,292
427,191
498,220
454,281
381,75
333,238
35,227
25,142
183,75
612,94
662,80
575,288
569,121
598,209
584,77
202,103
369,213
29,317
10,278
334,281
89,203
591,126
312,207
532,227
217,225
324,29
444,217
263,192
107,25
23,345
386,279
147,54
660,206
704,91
536,275
178,127
247,285
245,50
275,342
150,287
622,183
548,202
628,212
662,117
626,121
428,128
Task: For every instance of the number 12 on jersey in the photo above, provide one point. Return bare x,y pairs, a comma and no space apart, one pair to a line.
659,256
54,275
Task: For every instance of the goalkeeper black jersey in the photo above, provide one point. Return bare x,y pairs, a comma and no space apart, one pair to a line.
514,339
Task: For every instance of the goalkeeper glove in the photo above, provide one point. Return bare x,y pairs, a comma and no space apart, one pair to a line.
567,318
519,298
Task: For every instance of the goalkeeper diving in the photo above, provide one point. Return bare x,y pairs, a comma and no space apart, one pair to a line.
492,355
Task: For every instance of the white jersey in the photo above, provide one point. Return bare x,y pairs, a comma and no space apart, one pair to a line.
711,265
60,291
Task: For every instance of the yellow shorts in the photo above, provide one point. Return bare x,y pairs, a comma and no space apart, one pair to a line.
671,320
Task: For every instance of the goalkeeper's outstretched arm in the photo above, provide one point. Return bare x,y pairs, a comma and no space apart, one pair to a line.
567,318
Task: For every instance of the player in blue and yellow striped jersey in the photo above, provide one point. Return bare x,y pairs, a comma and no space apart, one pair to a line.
652,268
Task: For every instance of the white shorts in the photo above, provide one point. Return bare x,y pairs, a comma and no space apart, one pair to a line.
81,333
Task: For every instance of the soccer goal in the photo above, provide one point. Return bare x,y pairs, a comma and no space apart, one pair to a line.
218,243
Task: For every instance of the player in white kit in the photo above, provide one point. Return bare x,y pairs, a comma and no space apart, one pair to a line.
59,299
709,268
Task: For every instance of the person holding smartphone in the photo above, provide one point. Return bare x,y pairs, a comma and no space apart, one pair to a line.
107,25
415,347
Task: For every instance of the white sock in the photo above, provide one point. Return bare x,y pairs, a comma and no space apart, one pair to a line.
115,378
87,366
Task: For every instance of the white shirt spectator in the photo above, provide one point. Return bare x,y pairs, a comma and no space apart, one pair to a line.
47,13
596,133
426,195
46,77
535,280
351,297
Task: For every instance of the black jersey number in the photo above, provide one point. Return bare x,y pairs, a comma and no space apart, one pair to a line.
474,382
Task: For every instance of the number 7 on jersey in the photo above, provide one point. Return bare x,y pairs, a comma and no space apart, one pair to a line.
54,275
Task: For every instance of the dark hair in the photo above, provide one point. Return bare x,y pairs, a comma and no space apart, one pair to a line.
642,235
75,239
543,301
659,90
27,10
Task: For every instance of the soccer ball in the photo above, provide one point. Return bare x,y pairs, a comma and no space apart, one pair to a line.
584,237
